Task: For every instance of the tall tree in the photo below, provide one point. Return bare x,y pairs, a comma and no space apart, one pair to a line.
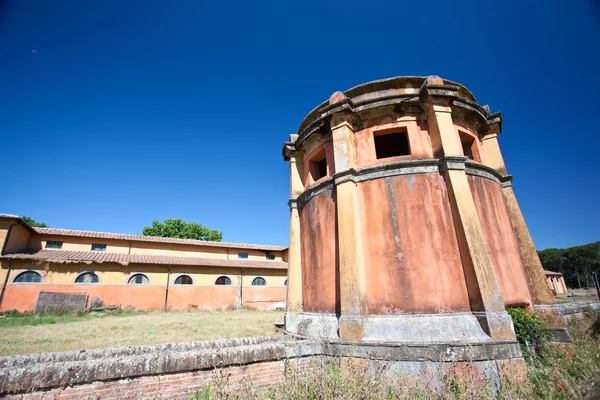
575,263
177,228
33,222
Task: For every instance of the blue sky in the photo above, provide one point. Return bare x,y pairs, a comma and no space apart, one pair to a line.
116,113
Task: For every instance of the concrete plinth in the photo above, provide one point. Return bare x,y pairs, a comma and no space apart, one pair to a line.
408,329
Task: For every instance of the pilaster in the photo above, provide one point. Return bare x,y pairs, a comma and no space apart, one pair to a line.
484,291
294,286
534,271
536,278
353,297
493,155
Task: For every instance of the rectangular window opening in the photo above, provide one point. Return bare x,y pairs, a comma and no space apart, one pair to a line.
318,168
467,150
243,255
52,244
270,256
98,247
392,145
468,146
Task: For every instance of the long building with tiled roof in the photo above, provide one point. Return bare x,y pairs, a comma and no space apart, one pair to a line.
143,272
154,239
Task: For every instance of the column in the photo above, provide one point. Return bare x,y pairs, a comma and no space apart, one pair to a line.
294,286
536,278
484,291
353,293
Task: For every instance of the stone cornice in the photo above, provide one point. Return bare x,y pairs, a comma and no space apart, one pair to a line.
489,122
506,181
474,168
289,147
452,163
348,105
314,190
433,91
408,167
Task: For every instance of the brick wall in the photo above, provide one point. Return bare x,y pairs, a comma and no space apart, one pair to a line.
174,370
177,370
172,386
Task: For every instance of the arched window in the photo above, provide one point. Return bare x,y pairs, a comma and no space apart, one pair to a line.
87,277
183,280
138,279
223,280
28,277
259,281
285,283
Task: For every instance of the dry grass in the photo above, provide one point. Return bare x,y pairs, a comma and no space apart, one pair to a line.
138,329
580,295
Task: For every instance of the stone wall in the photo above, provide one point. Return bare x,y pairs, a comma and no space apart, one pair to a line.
569,310
177,370
169,370
173,386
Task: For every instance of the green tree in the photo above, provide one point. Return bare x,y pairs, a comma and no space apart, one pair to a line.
575,263
33,222
177,228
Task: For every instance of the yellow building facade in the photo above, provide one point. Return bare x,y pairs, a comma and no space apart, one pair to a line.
556,282
139,271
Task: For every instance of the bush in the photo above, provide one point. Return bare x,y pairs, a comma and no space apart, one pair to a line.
531,333
594,317
554,376
96,302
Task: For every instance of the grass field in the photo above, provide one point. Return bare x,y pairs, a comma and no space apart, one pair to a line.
36,334
580,295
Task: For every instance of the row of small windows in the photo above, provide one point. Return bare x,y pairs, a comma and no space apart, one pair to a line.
389,144
221,281
244,256
137,279
52,244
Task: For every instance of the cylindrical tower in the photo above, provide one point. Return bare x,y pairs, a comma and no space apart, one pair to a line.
402,224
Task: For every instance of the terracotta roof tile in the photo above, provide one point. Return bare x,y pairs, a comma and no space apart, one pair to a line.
551,272
9,216
67,256
155,239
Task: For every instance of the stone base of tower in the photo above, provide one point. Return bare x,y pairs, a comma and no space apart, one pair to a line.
461,327
421,347
477,376
487,365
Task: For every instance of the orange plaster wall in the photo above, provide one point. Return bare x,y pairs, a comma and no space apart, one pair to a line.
262,297
143,297
478,152
501,241
319,258
204,297
417,269
420,145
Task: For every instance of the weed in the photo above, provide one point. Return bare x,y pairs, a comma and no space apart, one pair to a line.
531,333
551,375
